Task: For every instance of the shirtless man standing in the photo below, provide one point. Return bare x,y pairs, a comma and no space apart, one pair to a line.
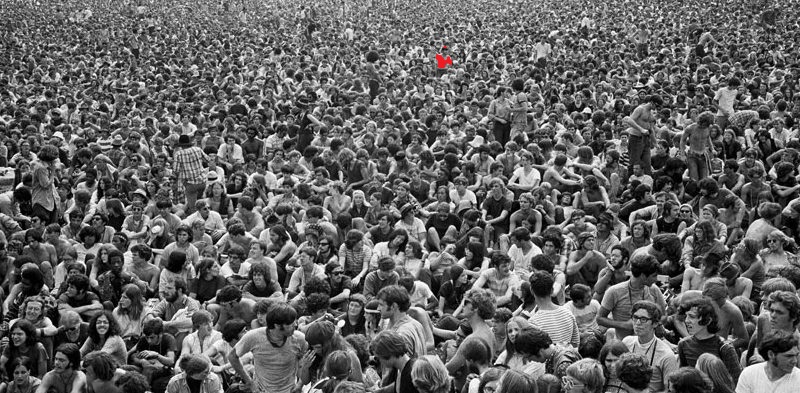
642,131
699,146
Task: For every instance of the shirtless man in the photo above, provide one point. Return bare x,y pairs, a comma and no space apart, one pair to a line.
642,130
700,145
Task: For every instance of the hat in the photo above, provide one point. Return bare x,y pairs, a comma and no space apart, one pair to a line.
712,208
212,176
117,140
406,209
320,332
584,236
313,229
141,193
58,134
184,140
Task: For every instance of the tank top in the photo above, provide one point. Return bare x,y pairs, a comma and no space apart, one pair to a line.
667,227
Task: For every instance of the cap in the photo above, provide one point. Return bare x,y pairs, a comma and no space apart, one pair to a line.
117,140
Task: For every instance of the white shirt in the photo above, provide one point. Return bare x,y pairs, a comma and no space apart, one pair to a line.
754,380
726,98
521,262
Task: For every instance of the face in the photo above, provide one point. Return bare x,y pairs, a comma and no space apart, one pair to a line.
693,321
18,337
170,293
386,310
21,375
124,301
779,316
60,362
643,324
785,361
774,244
102,325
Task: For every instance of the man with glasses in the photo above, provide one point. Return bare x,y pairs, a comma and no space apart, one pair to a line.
645,317
278,351
72,329
341,285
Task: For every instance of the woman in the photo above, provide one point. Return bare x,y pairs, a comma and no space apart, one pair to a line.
337,202
21,381
640,236
360,206
690,380
474,261
236,186
710,214
514,381
510,357
394,247
88,244
337,368
355,257
412,262
99,264
218,200
176,266
708,267
716,371
261,285
183,242
196,376
116,213
35,311
323,341
731,147
500,115
22,342
130,313
104,336
746,255
584,376
204,288
452,291
429,375
354,320
701,243
776,254
608,357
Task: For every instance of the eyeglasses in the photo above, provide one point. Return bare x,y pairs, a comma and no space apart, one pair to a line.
641,320
686,211
324,244
338,272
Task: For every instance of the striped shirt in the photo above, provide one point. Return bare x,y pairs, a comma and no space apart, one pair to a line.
559,324
189,165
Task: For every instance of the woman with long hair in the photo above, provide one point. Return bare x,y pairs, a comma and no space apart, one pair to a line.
208,281
412,262
353,321
323,340
360,206
608,356
522,300
716,371
217,199
236,186
514,381
104,336
336,370
34,309
129,314
510,357
22,342
394,247
702,242
778,249
429,375
21,381
475,260
709,213
176,266
355,256
183,242
99,264
702,269
337,202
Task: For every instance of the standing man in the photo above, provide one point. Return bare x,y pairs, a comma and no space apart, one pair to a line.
189,160
646,316
779,374
701,148
43,192
277,351
724,100
642,132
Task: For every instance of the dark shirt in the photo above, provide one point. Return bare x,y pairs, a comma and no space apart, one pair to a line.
207,290
440,225
690,348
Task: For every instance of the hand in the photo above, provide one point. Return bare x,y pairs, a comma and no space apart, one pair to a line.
356,280
307,359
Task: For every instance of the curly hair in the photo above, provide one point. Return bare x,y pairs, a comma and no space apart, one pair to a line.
633,370
790,301
113,327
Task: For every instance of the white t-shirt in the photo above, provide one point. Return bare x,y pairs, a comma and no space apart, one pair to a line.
726,98
531,179
422,292
521,262
754,380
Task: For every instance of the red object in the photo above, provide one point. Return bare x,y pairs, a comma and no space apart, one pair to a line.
442,61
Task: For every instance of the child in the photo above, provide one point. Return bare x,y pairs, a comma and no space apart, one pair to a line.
584,308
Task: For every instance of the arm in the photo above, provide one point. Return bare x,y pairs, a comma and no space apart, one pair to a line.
604,320
47,382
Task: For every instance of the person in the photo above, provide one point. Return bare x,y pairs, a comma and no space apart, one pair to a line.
104,336
43,192
533,344
381,278
716,371
391,350
478,306
428,374
498,278
231,304
323,340
779,373
701,148
634,373
619,299
690,380
189,160
154,354
196,376
557,321
65,377
353,321
701,324
583,376
646,318
277,352
203,336
336,370
130,314
176,309
394,303
22,381
78,298
100,369
642,132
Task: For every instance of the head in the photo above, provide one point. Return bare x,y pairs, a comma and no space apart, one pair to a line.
690,380
584,376
99,365
429,375
700,316
66,357
633,370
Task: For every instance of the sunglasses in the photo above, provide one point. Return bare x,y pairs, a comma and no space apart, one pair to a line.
770,241
686,211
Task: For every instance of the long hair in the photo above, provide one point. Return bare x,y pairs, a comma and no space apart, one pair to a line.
510,348
515,381
616,348
717,372
134,293
28,328
113,327
430,375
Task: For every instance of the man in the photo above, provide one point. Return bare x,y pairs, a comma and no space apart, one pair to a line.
779,374
141,267
277,351
252,220
176,309
441,224
111,283
634,373
100,368
31,284
642,132
43,192
620,298
230,305
65,377
498,278
731,321
391,351
381,278
701,324
72,329
724,100
478,306
701,148
12,202
78,298
213,223
533,344
585,263
521,252
393,304
155,354
43,253
645,317
558,322
188,166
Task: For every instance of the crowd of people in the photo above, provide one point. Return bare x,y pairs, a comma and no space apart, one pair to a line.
399,196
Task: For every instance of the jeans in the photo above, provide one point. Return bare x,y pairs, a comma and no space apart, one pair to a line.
192,192
698,165
639,150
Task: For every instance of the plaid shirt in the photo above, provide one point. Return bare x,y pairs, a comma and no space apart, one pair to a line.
189,165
